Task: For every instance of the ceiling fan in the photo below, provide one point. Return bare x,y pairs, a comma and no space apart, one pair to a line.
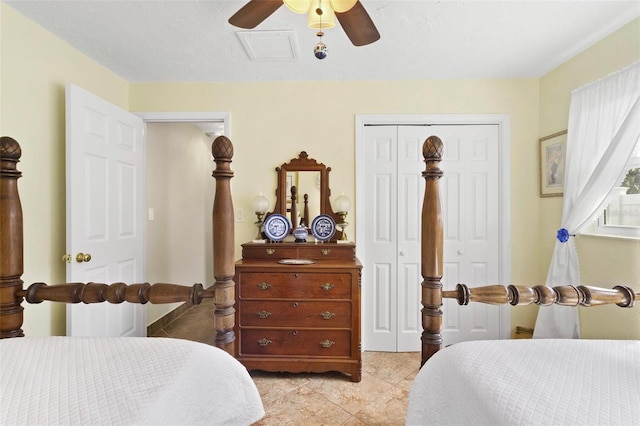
353,17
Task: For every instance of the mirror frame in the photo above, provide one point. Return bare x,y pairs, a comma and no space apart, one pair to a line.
305,164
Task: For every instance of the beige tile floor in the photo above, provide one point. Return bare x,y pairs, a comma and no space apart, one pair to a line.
320,399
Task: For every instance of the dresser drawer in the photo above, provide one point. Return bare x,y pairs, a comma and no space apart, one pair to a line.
317,343
326,252
301,314
294,285
278,251
269,252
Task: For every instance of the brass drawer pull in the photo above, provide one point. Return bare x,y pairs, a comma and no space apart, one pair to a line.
327,315
327,343
327,286
270,251
264,342
325,251
264,314
263,286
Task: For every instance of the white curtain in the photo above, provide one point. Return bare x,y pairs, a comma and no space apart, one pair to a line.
603,131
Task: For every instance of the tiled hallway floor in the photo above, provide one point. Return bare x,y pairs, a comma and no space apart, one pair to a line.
320,399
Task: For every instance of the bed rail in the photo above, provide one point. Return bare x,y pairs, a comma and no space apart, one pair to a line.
114,293
567,295
432,267
11,257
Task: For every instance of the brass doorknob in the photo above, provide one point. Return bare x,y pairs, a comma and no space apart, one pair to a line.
83,257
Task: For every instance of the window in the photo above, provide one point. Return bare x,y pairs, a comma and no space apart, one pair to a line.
621,215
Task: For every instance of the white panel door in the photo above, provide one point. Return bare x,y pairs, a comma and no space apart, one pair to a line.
470,191
394,190
380,270
105,215
393,184
410,192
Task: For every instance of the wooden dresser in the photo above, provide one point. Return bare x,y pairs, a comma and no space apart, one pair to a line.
299,318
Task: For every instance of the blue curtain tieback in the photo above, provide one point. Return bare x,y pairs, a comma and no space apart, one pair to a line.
563,235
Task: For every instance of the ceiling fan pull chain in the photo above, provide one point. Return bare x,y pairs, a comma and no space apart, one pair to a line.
320,49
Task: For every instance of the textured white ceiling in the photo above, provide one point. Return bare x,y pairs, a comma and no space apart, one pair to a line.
190,40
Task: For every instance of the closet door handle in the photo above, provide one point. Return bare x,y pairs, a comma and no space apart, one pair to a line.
83,257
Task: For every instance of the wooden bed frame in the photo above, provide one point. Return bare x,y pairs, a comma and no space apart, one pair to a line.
12,293
432,268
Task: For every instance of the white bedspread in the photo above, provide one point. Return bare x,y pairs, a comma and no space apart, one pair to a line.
154,381
529,382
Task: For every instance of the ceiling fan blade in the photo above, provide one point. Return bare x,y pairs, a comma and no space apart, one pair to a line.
358,26
254,12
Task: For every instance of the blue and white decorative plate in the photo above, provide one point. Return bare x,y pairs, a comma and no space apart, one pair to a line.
323,227
276,227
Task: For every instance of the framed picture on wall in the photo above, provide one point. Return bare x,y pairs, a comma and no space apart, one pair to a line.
551,154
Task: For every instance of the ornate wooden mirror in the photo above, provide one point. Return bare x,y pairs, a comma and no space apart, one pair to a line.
303,190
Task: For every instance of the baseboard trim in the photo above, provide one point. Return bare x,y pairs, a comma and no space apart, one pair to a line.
163,321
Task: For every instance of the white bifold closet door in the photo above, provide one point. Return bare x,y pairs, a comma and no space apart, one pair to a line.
394,189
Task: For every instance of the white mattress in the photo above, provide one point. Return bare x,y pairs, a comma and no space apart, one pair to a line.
525,382
128,380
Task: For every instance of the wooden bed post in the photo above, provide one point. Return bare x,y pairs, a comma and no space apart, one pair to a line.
11,258
431,250
11,240
223,246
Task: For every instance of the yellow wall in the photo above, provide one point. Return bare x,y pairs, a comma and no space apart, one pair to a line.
36,66
603,261
271,123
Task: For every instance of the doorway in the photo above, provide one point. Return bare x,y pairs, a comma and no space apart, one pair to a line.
389,190
179,198
106,206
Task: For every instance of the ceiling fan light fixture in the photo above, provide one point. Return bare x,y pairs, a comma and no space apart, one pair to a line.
298,6
341,6
321,15
353,18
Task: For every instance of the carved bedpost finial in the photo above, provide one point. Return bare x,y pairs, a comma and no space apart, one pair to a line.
222,148
11,240
223,246
10,148
432,150
10,153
